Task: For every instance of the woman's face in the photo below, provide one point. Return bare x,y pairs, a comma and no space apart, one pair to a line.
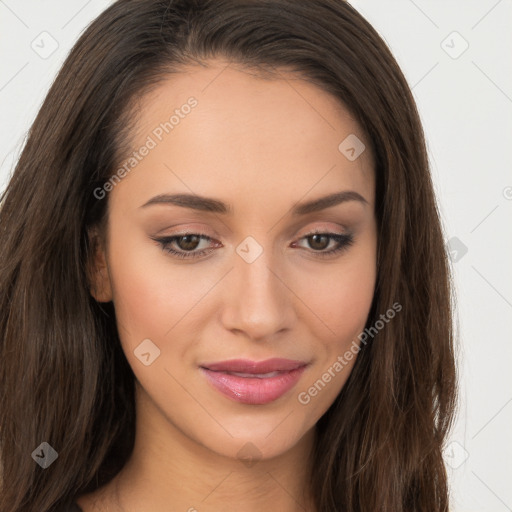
246,160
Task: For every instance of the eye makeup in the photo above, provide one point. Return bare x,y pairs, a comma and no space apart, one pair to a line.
171,244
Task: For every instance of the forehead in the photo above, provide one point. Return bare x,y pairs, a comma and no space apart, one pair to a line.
247,134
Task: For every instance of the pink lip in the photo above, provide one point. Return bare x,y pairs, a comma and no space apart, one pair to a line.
257,390
248,366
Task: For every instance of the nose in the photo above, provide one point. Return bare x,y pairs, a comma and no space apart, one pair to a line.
258,300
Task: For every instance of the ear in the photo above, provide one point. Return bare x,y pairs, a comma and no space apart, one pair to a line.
97,267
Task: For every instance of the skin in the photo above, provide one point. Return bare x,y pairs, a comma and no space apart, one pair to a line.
261,146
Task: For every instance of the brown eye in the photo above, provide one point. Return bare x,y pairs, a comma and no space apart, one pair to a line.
319,242
185,245
188,242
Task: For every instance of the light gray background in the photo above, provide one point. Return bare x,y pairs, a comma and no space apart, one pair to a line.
465,100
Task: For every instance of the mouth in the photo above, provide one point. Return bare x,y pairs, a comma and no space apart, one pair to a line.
253,382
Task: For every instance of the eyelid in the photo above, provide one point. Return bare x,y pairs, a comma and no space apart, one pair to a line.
204,232
325,229
342,243
190,229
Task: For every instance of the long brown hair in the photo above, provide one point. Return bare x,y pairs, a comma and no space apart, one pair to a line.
63,376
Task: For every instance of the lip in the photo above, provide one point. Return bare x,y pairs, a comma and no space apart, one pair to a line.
263,382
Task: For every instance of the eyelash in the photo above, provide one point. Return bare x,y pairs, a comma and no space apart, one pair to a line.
344,242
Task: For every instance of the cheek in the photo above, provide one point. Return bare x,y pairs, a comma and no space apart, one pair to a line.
342,302
150,295
341,297
345,305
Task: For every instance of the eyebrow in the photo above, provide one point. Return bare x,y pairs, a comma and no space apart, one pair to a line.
210,205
